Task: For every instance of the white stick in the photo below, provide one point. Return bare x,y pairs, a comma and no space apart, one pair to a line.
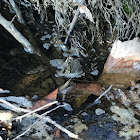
36,121
17,35
16,109
96,101
38,109
48,119
52,110
25,131
17,11
103,94
73,21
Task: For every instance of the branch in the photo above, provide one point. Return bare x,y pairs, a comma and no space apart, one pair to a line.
37,121
97,100
38,109
17,11
16,109
73,21
48,119
18,36
25,131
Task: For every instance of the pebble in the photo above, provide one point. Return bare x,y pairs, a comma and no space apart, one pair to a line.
99,111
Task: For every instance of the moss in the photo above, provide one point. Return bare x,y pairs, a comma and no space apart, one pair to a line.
128,7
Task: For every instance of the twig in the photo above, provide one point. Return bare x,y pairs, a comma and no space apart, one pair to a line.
16,109
18,36
96,101
70,134
25,131
52,110
38,109
102,94
73,21
48,119
13,18
17,11
37,121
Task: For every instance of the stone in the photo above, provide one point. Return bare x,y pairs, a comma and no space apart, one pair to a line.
99,111
123,64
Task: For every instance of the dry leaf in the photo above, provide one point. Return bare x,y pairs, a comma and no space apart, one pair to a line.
80,93
47,99
56,132
90,88
86,11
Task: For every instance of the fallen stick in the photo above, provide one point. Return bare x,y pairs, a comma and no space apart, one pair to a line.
73,21
17,11
97,100
18,36
52,110
38,109
16,109
36,121
25,131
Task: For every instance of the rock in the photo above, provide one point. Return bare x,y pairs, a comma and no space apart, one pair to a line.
67,106
123,64
79,126
127,118
6,119
99,111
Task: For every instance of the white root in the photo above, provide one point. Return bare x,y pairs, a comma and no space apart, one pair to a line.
17,35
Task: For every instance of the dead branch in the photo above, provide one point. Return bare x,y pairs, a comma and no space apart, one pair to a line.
72,24
17,35
14,108
47,119
103,94
37,120
97,100
25,131
17,11
38,109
